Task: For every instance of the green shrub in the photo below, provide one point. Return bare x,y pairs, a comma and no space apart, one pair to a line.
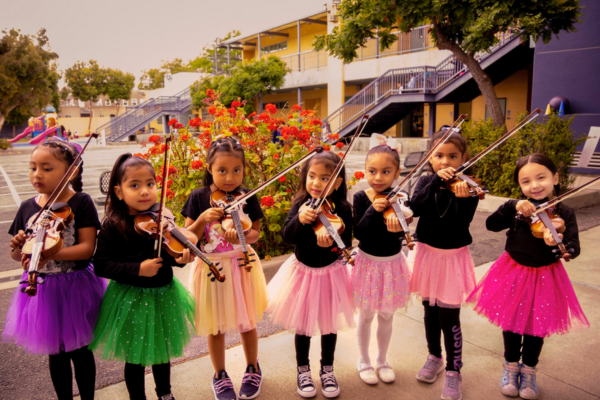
552,137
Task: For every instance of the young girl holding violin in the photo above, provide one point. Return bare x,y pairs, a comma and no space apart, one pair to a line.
443,274
144,313
527,291
237,303
313,292
59,320
380,276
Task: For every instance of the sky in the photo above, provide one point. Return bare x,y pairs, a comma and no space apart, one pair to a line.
133,35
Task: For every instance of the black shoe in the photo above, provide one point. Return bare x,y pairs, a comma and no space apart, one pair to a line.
306,387
251,382
223,387
330,388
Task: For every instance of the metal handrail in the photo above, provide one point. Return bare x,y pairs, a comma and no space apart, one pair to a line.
400,81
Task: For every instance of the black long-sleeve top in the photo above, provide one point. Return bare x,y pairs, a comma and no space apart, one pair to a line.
525,248
444,218
119,257
306,249
371,231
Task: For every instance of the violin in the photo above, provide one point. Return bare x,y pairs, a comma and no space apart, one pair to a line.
326,220
398,207
235,218
549,219
44,230
475,187
173,239
45,241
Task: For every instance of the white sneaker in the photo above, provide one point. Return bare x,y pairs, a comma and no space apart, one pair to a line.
367,373
386,373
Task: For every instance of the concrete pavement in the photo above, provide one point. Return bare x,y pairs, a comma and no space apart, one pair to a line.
567,370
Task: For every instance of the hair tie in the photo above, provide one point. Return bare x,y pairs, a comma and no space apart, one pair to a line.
377,139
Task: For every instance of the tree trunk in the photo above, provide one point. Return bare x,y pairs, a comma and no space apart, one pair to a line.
91,116
2,118
14,131
481,78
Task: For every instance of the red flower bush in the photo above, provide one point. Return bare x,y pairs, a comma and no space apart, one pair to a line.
296,107
282,179
196,164
210,93
155,139
271,108
212,110
172,122
236,104
359,175
267,201
339,145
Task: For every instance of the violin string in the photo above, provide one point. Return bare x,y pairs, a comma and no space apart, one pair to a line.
565,196
162,195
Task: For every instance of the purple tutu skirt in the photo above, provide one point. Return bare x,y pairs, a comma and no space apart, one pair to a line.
309,300
443,277
380,284
525,300
61,317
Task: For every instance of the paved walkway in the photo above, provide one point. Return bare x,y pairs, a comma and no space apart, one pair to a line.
568,368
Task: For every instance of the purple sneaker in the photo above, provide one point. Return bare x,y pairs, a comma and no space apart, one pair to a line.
251,383
223,387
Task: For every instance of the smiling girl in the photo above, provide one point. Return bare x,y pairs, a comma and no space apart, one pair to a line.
527,291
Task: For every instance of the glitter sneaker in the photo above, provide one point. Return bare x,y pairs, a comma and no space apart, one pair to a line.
330,388
528,387
452,386
509,385
306,387
251,382
223,387
431,369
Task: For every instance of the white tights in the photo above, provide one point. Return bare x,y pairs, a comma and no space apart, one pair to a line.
384,335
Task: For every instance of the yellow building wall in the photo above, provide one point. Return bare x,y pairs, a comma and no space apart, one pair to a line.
311,99
307,33
514,89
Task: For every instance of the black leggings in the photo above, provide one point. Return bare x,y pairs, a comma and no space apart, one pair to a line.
135,380
532,348
327,349
62,375
447,320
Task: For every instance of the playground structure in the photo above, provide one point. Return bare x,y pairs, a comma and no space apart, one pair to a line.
42,127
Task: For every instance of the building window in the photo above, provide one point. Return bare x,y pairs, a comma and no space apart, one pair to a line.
125,103
107,103
67,116
274,47
281,105
99,102
134,102
72,102
101,115
502,107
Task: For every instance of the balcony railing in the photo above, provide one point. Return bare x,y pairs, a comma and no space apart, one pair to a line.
306,60
414,41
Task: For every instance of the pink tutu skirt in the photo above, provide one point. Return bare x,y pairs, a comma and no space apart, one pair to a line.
525,300
443,277
309,300
380,283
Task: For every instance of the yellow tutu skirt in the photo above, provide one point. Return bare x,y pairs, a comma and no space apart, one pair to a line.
235,305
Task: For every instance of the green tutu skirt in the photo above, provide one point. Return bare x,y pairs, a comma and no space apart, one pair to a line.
144,326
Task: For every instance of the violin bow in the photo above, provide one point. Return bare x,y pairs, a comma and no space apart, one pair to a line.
453,128
564,196
163,193
62,184
534,114
243,198
338,168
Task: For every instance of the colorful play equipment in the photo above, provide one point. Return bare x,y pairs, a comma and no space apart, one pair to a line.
42,127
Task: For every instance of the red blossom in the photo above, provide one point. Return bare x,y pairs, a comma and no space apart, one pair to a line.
138,155
232,111
195,122
307,113
282,179
271,108
172,170
210,93
326,147
264,117
267,201
276,156
196,164
253,114
333,136
296,107
155,139
340,154
185,137
234,129
339,145
173,122
220,113
359,175
212,110
272,126
236,104
316,122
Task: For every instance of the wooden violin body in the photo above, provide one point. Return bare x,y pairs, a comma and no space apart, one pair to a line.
173,240
389,211
45,240
549,219
222,199
319,225
474,183
538,228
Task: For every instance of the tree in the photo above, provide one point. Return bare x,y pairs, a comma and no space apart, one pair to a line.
118,86
28,75
465,28
87,82
205,62
245,82
154,77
